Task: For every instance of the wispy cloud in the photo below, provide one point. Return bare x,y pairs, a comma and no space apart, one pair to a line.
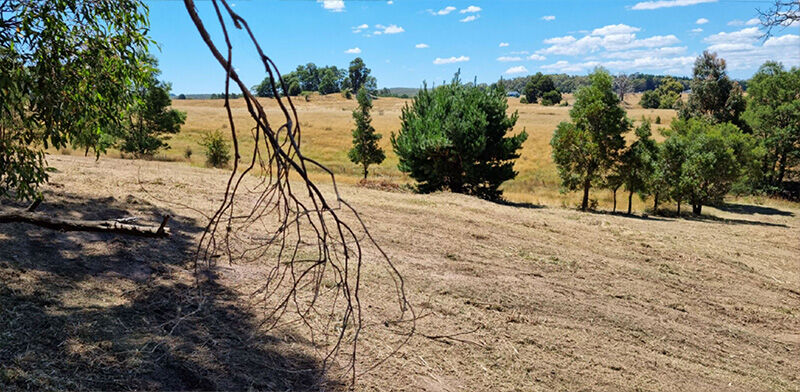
471,10
390,29
503,44
443,11
697,30
469,18
536,57
355,50
516,70
701,21
744,48
421,46
450,60
506,59
332,5
549,18
652,5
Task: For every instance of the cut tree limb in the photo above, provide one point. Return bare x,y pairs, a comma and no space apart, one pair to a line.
111,226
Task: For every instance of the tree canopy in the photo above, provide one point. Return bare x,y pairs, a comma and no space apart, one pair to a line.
588,146
455,137
68,67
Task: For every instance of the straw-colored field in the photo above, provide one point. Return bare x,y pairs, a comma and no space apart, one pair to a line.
327,123
537,299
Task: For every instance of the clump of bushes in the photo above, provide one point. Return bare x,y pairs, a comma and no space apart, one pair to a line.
550,98
218,153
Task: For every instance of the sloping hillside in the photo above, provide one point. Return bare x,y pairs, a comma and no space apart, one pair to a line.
541,298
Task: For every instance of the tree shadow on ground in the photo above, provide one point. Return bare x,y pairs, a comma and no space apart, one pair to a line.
102,311
519,204
752,210
729,221
631,216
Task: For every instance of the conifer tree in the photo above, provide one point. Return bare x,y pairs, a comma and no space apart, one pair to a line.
365,149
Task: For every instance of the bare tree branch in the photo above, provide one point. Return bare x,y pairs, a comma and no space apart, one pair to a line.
285,221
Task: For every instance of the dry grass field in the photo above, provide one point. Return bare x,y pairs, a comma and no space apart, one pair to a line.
327,124
552,298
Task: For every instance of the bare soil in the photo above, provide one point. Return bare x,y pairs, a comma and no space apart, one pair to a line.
541,298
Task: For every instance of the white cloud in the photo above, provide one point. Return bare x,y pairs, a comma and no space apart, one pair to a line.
355,50
610,38
536,57
518,52
650,52
363,26
652,5
615,29
445,10
744,49
674,65
697,30
701,21
503,44
390,29
332,5
506,59
471,10
421,46
470,18
549,18
516,70
752,22
450,60
390,2
560,40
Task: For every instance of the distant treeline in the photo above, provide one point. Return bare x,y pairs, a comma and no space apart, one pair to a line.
572,83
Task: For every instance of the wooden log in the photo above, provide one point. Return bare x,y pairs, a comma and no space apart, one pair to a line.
111,226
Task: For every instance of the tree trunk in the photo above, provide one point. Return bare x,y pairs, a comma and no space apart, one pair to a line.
697,209
84,225
781,170
679,207
655,203
630,199
365,172
615,201
585,203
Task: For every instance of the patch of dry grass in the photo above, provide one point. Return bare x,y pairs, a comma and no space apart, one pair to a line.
549,298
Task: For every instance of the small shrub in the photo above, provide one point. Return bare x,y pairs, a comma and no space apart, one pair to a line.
523,100
658,119
347,94
218,153
565,103
187,153
551,98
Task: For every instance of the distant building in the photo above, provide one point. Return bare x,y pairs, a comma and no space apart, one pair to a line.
514,94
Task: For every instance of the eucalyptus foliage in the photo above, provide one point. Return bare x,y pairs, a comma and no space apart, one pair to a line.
586,148
68,66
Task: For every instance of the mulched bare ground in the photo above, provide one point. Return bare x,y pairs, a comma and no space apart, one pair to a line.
532,298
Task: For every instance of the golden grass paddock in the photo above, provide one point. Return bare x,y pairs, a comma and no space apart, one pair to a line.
327,123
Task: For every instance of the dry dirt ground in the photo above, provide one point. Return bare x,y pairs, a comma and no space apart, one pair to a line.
548,298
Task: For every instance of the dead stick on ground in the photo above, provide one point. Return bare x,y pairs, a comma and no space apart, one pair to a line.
85,225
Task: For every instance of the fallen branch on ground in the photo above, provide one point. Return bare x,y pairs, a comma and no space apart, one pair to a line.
111,226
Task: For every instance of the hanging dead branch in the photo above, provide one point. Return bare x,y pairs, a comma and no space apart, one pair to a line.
272,213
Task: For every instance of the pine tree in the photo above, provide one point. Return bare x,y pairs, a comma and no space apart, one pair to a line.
365,149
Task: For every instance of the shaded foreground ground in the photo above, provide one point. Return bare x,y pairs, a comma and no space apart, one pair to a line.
547,298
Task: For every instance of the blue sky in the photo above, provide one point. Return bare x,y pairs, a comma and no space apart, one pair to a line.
406,42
